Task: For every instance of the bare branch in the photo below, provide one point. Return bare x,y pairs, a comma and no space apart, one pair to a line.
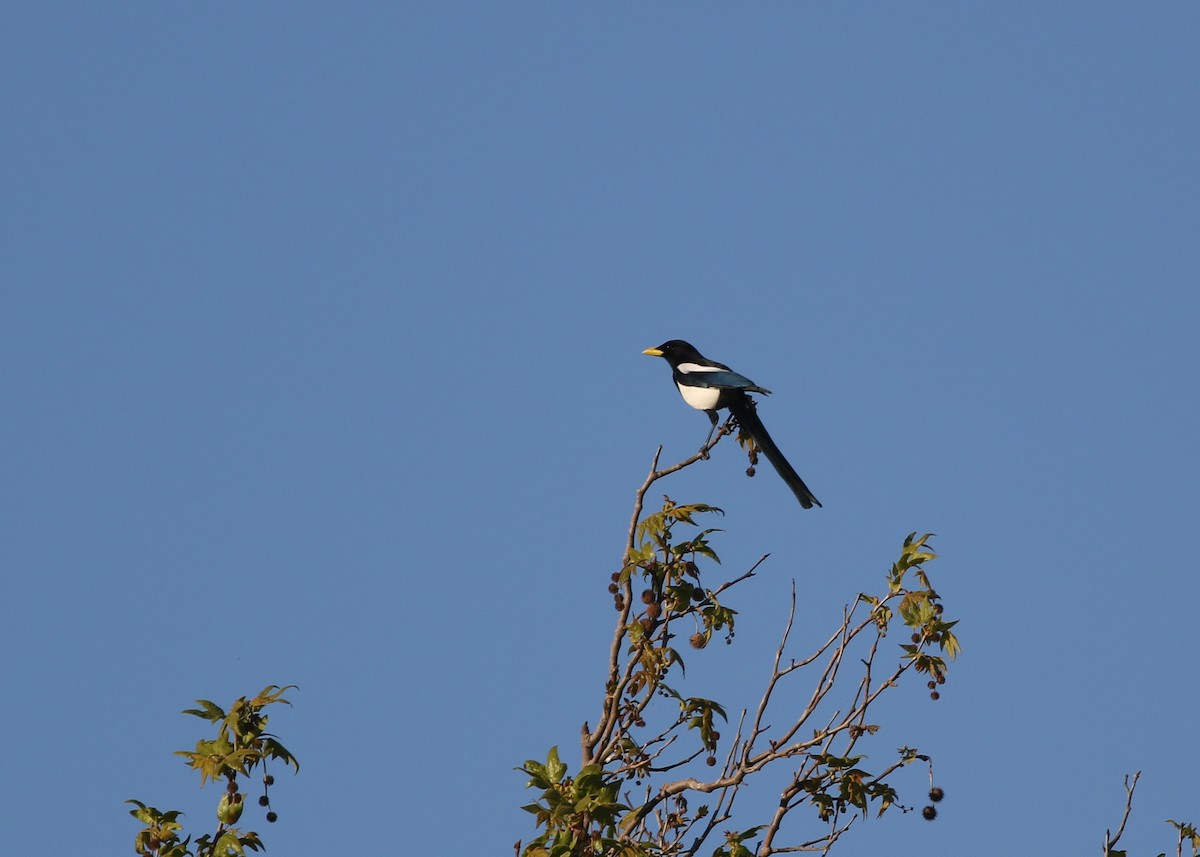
1111,840
656,474
749,574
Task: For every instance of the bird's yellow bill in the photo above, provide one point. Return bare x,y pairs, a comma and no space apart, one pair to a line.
653,352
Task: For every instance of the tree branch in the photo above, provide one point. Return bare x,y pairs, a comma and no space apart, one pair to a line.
1110,840
596,742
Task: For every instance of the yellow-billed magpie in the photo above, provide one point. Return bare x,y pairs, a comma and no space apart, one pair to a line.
708,386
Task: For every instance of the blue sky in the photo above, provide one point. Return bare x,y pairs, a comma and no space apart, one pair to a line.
321,333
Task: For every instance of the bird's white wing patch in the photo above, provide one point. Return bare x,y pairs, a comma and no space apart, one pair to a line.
689,368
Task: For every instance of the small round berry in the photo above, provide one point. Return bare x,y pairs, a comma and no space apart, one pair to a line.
936,794
697,641
272,817
710,761
929,813
647,596
263,800
268,780
934,695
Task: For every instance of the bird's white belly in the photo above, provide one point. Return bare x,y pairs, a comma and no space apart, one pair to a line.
700,398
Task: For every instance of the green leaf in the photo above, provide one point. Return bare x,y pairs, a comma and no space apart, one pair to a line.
229,808
230,842
555,769
144,814
209,711
274,750
949,643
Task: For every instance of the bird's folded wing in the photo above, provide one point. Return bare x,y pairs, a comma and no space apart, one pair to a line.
716,377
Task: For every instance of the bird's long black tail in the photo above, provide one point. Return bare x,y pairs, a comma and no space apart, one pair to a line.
743,409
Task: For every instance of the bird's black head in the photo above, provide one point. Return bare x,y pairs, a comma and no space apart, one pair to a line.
676,351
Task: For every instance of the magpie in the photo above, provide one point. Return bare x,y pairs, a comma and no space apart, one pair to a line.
708,386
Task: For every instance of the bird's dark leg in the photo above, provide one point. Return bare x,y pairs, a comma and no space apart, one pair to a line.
712,415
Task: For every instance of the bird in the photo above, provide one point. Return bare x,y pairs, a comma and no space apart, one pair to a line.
709,386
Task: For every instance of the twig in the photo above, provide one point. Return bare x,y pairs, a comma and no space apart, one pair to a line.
742,577
1110,840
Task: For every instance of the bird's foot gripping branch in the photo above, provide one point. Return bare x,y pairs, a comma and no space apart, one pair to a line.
664,765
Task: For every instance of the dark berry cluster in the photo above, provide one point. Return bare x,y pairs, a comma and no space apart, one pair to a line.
929,813
265,800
